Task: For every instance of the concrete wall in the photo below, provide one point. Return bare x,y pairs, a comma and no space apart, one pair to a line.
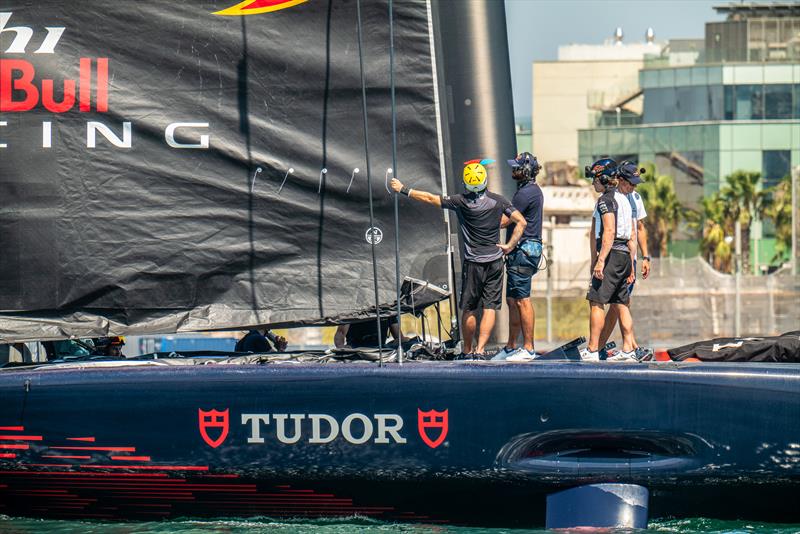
561,93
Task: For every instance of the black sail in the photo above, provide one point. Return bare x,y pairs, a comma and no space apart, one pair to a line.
131,134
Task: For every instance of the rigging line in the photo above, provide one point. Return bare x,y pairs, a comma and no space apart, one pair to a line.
322,173
289,171
369,184
396,200
352,177
253,183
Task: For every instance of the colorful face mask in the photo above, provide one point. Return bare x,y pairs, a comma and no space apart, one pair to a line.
475,174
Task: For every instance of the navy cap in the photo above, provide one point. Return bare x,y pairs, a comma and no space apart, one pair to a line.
522,159
630,172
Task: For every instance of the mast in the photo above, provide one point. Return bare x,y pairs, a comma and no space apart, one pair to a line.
476,76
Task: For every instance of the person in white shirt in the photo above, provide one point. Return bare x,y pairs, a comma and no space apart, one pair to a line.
629,176
611,258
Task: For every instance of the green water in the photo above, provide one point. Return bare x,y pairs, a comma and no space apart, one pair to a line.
346,526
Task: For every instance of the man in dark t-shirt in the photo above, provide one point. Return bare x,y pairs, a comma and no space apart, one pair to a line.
523,262
259,343
479,215
365,333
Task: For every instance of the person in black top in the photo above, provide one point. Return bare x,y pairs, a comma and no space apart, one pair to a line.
364,333
523,262
611,256
480,214
109,346
257,342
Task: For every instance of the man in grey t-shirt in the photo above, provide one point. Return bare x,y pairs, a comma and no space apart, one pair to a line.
479,216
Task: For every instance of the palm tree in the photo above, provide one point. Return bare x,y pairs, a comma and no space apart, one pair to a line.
780,211
745,202
664,211
713,222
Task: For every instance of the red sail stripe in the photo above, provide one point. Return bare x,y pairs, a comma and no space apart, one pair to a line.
162,467
67,457
263,3
81,439
132,458
14,446
19,428
115,449
77,474
42,491
28,438
7,455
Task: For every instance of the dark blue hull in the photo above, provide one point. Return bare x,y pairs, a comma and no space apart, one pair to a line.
462,443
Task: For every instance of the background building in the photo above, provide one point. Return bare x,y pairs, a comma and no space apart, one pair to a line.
571,93
736,108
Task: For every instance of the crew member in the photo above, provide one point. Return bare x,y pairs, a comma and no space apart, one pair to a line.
365,333
479,215
258,342
109,346
523,262
611,258
629,176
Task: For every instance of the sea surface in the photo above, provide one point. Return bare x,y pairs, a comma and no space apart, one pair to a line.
346,526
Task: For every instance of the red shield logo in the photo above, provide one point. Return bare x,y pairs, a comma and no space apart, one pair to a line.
432,423
215,421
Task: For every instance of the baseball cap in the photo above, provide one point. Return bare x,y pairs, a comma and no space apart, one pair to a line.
630,172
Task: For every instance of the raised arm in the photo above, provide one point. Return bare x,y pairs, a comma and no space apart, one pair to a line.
416,194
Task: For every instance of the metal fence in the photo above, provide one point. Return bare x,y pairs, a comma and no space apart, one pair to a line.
683,300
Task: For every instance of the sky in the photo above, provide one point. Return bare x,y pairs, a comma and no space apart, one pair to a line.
536,28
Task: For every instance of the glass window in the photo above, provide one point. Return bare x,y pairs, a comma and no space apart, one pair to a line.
749,102
683,77
699,75
716,111
729,107
659,105
796,113
692,104
649,78
775,165
686,169
778,101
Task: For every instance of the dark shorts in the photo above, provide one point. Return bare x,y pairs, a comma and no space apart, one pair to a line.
482,285
613,288
521,264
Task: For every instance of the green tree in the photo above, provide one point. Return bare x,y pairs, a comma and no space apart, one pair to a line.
780,211
745,202
713,223
664,211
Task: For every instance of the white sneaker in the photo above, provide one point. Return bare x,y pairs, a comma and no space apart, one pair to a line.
623,357
503,353
587,356
522,355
